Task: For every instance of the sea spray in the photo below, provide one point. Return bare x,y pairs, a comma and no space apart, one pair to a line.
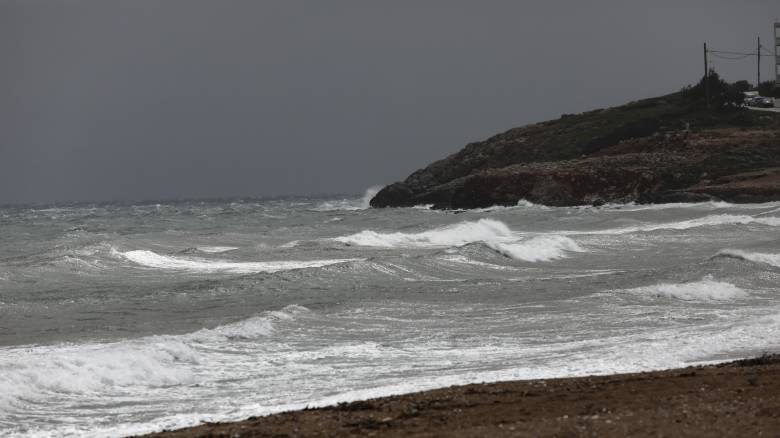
369,195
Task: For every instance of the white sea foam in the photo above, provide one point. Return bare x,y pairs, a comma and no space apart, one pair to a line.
632,206
250,328
708,289
675,347
706,221
521,204
757,257
483,230
198,374
151,259
216,249
38,374
34,375
493,233
537,249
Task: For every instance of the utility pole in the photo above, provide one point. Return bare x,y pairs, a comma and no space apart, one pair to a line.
758,74
706,77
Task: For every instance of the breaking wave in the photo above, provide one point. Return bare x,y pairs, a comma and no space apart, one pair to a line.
707,221
151,259
43,373
756,257
708,289
537,249
38,374
483,230
251,327
494,234
216,249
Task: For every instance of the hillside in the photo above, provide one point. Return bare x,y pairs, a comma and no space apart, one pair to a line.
662,149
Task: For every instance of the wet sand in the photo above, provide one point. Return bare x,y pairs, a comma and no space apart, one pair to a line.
735,399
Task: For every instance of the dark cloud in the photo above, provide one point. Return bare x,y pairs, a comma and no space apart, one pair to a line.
140,99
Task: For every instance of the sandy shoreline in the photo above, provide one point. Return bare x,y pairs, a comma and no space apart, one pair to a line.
739,398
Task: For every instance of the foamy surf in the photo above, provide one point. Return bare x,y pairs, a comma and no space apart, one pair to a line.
756,257
151,259
707,221
708,289
483,230
577,356
537,249
42,373
250,328
96,344
36,375
216,249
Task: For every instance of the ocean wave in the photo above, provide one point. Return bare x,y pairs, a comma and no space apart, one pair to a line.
521,204
483,230
350,204
151,259
537,249
215,249
707,221
708,289
494,234
37,374
250,328
633,206
756,257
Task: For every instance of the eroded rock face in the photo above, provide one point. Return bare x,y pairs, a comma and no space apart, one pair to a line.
650,152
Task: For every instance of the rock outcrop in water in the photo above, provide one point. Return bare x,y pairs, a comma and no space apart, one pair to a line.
655,150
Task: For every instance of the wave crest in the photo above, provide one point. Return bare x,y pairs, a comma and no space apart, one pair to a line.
36,375
453,235
151,259
537,249
756,257
708,289
706,221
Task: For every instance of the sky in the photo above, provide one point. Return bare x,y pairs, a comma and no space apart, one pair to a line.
181,99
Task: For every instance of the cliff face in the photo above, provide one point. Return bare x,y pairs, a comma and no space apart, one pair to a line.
655,150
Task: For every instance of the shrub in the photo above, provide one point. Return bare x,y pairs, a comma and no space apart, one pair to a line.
722,94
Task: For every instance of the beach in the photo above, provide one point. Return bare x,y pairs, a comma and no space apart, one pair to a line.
739,398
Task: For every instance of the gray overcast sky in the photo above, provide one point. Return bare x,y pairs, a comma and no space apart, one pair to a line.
138,99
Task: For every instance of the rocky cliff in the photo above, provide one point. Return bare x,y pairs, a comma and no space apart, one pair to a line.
655,150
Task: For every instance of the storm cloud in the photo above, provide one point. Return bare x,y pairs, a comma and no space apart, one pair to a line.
130,100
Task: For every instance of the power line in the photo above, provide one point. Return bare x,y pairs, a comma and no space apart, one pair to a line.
746,54
730,58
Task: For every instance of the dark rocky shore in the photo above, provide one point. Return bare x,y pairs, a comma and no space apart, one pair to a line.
663,149
737,399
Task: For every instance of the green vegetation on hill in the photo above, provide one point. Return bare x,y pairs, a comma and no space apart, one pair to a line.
581,136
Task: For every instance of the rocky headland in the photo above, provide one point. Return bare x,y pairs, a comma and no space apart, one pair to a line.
664,149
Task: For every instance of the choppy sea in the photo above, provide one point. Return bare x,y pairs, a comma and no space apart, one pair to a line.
117,319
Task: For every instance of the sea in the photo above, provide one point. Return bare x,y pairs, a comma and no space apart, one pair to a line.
125,318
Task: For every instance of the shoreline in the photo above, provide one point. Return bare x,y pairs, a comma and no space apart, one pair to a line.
728,399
